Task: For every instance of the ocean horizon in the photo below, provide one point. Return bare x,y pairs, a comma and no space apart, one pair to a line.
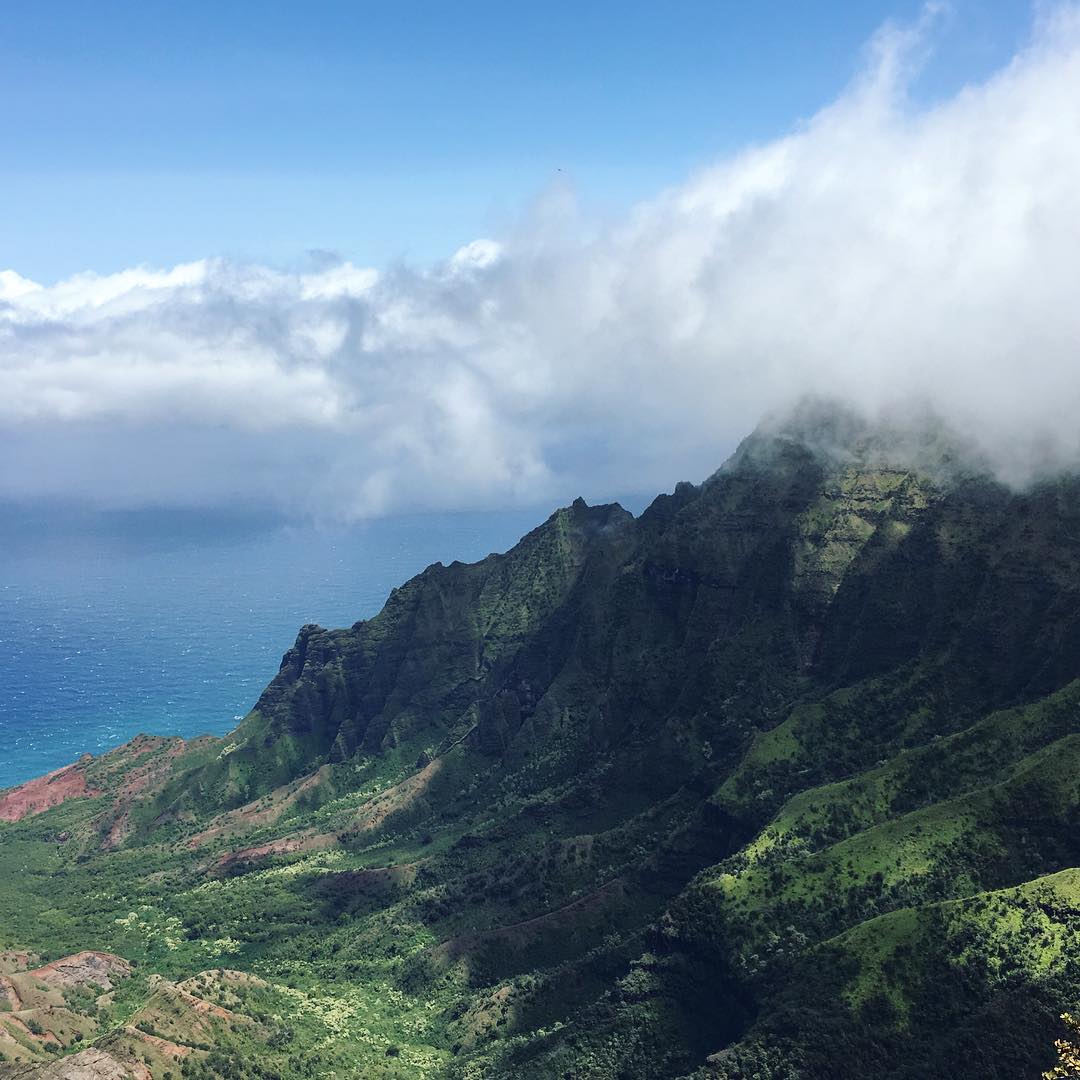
173,622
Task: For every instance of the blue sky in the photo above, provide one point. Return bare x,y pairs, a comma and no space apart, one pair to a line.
154,133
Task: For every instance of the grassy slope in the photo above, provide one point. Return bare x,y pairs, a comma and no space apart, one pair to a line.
767,778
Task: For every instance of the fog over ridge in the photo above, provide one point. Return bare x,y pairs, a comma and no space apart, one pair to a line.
879,253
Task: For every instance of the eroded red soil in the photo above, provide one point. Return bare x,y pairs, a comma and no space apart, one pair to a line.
45,792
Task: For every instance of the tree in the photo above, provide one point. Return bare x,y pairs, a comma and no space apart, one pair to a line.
1068,1066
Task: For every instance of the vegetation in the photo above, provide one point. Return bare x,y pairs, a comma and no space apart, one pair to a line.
778,780
1068,1052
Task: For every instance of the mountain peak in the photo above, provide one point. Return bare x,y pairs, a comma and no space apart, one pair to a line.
840,436
778,779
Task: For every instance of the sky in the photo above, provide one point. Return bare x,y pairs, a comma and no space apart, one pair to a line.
349,259
153,132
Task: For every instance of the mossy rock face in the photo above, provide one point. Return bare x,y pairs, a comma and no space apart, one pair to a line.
779,779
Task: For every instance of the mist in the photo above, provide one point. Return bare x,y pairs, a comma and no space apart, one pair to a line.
881,252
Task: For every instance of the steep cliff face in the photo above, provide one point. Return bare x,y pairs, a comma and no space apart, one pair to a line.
735,788
428,666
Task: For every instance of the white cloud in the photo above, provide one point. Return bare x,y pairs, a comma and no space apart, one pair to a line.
880,251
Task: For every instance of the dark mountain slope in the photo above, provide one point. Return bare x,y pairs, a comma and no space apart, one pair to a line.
778,779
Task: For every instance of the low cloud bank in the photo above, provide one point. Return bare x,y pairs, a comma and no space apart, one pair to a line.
880,252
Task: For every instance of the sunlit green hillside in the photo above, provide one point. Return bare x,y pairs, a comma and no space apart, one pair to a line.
779,780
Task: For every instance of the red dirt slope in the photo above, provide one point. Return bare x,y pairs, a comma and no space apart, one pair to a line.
36,796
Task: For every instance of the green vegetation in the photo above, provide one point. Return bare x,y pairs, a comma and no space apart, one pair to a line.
779,780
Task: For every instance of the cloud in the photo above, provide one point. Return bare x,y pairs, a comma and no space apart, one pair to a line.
881,251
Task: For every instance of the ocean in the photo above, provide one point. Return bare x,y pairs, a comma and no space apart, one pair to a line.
172,623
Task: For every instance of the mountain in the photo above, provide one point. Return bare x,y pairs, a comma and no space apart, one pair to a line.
778,780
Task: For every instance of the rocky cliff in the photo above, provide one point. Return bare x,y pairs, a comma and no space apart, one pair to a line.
778,779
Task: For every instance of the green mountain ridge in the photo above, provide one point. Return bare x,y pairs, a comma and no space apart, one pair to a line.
776,780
